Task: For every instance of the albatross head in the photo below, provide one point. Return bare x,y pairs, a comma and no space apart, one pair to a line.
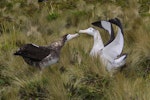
90,31
68,37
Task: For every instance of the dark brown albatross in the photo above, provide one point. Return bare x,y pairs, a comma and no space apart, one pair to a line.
42,56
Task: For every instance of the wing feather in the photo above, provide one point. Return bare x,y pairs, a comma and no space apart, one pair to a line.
106,25
115,47
34,52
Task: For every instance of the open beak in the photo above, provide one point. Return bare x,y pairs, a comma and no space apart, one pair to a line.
71,36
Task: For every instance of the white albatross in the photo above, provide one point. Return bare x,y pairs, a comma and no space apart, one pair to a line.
111,53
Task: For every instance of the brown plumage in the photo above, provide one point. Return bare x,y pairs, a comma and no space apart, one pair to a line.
42,56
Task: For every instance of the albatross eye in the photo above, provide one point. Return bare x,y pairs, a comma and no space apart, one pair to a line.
68,36
91,29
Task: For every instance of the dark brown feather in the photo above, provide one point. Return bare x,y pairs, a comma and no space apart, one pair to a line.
34,52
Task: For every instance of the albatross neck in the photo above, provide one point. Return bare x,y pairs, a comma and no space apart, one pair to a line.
57,45
98,40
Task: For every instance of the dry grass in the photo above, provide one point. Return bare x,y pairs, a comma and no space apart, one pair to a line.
77,76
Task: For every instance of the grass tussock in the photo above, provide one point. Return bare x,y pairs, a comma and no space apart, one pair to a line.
77,76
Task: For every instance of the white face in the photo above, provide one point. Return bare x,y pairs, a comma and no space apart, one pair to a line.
89,31
71,36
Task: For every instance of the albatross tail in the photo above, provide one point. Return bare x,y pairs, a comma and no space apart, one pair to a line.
120,61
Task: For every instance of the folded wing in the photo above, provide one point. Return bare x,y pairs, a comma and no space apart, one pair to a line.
34,52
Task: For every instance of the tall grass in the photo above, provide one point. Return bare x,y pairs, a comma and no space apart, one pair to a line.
77,76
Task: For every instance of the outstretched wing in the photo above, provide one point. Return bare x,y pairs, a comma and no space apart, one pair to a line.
106,25
34,52
114,49
117,22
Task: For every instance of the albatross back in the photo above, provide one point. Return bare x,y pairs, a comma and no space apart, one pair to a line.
34,52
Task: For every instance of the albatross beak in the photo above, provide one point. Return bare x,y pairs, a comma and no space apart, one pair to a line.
71,36
83,31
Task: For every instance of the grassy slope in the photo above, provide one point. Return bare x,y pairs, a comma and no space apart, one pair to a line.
77,76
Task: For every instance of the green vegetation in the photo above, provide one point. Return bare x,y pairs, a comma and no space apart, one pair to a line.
77,76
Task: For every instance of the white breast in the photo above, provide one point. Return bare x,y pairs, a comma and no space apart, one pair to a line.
49,62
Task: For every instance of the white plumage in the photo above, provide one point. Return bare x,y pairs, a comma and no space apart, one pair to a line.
110,53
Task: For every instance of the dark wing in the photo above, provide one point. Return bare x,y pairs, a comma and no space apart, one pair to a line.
115,48
106,25
33,52
117,22
97,23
